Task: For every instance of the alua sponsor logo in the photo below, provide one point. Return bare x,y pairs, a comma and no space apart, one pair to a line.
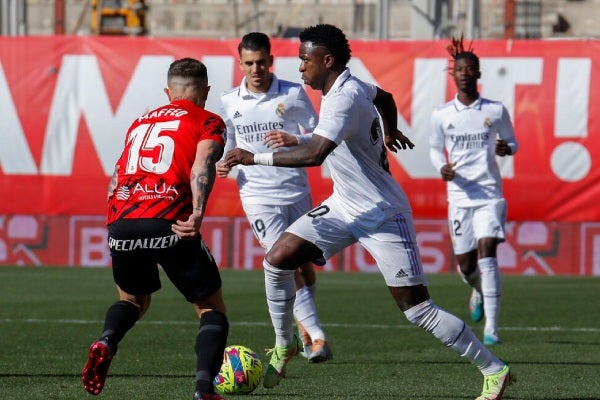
157,188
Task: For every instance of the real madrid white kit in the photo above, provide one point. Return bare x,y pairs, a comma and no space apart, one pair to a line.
367,204
272,197
466,137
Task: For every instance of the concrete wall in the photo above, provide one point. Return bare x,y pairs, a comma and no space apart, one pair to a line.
218,18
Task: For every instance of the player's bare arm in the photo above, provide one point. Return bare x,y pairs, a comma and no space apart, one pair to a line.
306,155
202,179
394,138
113,181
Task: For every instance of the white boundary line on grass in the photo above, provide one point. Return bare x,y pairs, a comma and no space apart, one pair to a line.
332,325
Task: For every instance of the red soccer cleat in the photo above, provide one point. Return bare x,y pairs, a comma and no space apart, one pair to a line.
95,370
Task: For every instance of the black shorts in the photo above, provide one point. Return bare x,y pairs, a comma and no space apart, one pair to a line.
139,246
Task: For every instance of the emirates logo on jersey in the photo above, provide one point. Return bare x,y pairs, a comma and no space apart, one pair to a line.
280,110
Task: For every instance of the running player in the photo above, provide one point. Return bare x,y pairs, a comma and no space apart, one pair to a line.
156,203
265,113
367,206
472,130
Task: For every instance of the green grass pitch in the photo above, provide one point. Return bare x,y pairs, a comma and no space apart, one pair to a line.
49,316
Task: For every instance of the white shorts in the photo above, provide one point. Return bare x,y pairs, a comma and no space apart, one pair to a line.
268,222
393,244
469,224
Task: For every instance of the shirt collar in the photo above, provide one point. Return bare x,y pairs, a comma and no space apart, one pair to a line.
339,81
273,89
460,106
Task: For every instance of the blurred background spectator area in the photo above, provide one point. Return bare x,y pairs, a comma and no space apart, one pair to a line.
360,19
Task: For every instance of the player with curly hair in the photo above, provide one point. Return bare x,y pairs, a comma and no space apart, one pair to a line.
367,206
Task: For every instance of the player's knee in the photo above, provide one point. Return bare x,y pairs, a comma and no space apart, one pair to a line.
281,257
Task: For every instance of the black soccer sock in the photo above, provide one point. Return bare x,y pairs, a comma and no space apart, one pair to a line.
120,317
210,345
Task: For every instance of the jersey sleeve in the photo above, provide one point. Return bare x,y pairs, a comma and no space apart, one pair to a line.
213,129
436,143
337,119
307,116
507,132
230,142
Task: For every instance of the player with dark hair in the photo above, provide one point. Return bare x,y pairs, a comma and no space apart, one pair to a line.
156,203
367,206
265,113
467,133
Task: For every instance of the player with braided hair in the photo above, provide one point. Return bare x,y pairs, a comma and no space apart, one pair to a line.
367,206
467,133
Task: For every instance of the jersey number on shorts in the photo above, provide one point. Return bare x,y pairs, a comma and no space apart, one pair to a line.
149,150
318,211
456,229
259,228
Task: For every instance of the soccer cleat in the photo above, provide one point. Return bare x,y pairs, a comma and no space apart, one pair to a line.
494,385
306,340
207,396
280,356
95,370
320,352
491,339
476,306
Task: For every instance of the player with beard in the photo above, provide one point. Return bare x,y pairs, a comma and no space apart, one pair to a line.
265,113
156,203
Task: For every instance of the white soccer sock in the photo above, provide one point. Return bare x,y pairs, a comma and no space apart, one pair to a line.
280,289
305,312
454,333
491,288
312,289
473,279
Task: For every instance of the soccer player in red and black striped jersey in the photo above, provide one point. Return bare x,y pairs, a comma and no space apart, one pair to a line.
156,203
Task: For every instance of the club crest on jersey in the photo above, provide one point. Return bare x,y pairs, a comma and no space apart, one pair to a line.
280,110
487,123
375,131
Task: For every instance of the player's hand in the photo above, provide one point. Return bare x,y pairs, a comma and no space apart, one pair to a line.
502,148
275,139
223,169
187,230
448,171
239,156
397,141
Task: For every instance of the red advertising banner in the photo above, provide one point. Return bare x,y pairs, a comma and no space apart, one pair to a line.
66,103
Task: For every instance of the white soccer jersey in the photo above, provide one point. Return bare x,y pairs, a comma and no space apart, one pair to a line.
249,116
363,187
469,134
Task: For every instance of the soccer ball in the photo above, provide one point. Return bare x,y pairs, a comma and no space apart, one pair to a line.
241,371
